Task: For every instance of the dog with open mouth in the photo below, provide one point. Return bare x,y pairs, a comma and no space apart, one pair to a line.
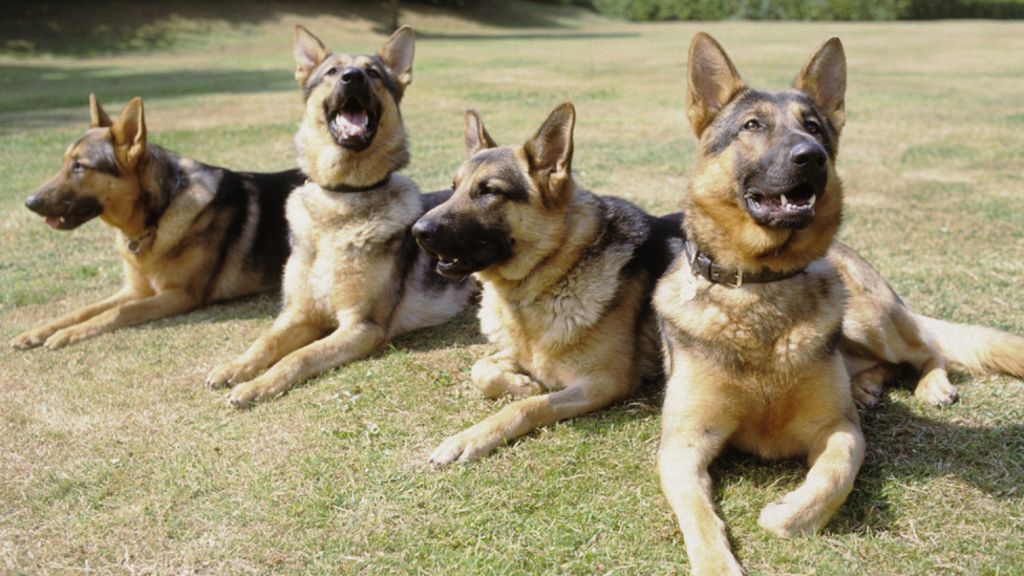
187,233
355,277
567,278
772,331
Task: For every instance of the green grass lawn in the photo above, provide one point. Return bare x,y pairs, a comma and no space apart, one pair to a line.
115,458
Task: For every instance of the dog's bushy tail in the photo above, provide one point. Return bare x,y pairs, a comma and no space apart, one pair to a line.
976,348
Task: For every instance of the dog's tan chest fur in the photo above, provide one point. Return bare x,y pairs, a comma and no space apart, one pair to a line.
756,331
343,243
550,313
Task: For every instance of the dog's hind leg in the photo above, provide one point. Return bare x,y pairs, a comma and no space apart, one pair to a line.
349,342
500,374
835,456
867,379
290,331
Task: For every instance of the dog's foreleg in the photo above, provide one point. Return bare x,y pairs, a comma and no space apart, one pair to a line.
692,435
500,374
527,414
125,313
39,334
835,456
349,342
291,330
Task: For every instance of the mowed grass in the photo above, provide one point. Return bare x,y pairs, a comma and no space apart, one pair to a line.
115,458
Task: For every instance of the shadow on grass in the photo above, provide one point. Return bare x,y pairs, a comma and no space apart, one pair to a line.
462,330
31,92
902,447
528,36
93,27
256,307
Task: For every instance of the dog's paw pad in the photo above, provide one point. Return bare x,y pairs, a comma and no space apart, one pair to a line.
26,342
238,402
936,392
58,339
461,448
521,386
867,394
781,519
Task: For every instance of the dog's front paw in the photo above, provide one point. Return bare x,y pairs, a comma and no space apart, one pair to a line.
723,564
786,520
463,447
935,389
61,338
248,393
511,383
30,339
228,374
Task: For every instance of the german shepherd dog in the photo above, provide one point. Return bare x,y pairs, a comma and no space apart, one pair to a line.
355,276
567,278
763,323
188,234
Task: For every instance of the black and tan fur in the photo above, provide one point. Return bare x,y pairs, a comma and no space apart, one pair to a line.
566,277
766,367
882,336
758,367
355,277
188,234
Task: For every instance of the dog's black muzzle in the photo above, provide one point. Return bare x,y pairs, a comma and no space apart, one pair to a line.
462,247
782,189
63,210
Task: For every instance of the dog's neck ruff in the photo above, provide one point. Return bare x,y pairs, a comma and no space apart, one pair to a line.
702,265
135,245
343,189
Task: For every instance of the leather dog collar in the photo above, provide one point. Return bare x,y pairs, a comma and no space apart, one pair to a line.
343,189
702,265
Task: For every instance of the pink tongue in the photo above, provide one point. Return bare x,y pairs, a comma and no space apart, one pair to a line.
353,123
53,221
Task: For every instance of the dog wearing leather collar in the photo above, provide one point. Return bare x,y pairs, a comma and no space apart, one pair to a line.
356,276
187,233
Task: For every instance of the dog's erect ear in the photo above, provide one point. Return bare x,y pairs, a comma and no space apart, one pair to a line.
397,53
823,78
712,81
309,52
129,133
476,138
550,155
97,117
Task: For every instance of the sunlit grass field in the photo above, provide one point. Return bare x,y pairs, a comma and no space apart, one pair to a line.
115,459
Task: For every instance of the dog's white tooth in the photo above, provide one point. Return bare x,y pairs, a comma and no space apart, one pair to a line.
785,201
814,198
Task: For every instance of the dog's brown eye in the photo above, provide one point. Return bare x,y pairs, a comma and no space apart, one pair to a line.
812,127
77,166
332,71
485,190
372,73
752,124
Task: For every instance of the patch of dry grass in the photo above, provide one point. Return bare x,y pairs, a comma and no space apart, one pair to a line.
115,459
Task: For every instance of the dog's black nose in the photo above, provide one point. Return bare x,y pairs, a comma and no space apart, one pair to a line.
33,202
424,230
353,75
807,154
